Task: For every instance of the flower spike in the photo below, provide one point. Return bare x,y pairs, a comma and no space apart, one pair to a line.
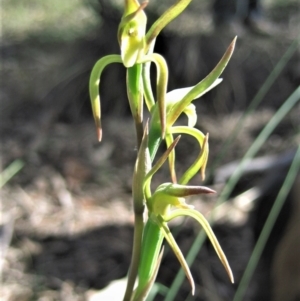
168,200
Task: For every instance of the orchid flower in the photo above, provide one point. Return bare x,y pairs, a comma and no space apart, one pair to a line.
160,204
136,50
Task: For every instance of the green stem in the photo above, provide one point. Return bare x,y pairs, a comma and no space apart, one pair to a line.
153,238
135,257
135,97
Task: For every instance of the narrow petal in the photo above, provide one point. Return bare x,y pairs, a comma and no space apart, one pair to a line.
205,85
94,85
161,86
201,160
172,243
204,156
176,95
170,14
169,141
157,165
205,225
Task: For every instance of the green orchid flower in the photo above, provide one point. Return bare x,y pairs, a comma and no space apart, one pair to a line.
160,204
136,55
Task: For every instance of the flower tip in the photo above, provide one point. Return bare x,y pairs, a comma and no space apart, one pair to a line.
193,290
230,274
99,129
210,191
232,45
99,134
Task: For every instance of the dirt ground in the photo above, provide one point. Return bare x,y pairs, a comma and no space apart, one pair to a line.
66,223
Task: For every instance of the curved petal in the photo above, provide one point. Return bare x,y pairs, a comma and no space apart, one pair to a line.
94,88
161,85
205,85
175,248
170,14
191,114
169,141
201,160
205,225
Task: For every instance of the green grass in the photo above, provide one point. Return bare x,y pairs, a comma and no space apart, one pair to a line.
10,171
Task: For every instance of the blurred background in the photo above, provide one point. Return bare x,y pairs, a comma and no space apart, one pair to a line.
66,215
